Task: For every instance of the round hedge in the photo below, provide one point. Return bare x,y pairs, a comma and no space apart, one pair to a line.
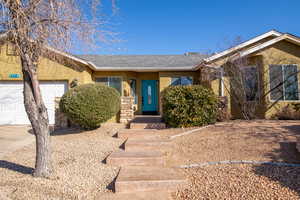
187,106
90,105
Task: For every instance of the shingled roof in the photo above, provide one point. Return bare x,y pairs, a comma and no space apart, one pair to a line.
144,62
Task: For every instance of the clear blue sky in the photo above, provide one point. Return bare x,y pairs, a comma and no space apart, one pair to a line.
178,26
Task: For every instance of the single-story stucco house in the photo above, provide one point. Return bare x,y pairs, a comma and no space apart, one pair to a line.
142,76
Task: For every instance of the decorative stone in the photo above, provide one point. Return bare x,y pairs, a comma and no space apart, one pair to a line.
127,109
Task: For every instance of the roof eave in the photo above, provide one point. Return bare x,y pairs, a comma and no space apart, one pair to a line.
287,37
146,69
242,45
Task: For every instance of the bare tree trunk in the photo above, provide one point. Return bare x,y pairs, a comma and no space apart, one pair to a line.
38,116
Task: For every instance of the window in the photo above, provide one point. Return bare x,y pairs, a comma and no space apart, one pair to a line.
183,80
284,82
113,81
133,90
250,78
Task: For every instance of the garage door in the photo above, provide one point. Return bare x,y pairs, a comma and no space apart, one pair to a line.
12,109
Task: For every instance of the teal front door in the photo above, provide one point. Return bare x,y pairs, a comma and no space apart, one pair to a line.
149,96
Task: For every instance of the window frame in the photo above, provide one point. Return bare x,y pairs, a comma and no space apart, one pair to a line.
121,77
269,84
180,80
257,80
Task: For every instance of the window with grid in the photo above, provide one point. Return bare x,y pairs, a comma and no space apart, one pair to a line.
112,81
284,82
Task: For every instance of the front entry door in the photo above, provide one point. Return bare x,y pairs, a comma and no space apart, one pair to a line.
149,96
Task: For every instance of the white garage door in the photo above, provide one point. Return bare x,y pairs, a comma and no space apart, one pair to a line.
12,109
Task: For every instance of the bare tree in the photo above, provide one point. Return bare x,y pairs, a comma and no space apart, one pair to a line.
32,26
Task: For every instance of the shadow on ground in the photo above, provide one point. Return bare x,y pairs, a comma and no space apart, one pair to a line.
66,131
15,167
286,176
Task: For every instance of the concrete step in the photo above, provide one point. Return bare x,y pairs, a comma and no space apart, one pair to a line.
156,125
135,179
129,158
139,134
147,144
157,195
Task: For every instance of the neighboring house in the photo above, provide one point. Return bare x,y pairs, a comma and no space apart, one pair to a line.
142,76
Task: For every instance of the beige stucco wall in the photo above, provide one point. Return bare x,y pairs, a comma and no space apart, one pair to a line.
280,53
47,69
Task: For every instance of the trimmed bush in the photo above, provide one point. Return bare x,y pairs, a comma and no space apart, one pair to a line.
187,106
90,105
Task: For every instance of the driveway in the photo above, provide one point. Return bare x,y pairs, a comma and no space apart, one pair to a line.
13,138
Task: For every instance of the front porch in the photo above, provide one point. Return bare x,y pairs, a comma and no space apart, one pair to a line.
144,87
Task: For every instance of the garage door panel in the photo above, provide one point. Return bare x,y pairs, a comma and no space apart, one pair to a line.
12,109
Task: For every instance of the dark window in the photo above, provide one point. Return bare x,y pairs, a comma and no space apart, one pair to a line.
250,82
114,82
284,82
183,80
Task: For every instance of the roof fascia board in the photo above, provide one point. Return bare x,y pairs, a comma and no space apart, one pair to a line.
269,43
244,44
67,55
146,69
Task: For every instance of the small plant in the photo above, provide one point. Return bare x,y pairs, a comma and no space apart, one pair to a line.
288,112
187,106
90,105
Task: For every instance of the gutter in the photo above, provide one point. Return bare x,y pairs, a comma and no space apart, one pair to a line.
141,69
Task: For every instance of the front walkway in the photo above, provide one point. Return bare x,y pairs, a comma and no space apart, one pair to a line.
13,138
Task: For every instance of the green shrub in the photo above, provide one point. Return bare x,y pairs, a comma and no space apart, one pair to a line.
90,105
187,106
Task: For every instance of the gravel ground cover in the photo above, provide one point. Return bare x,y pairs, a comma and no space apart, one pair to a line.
77,159
239,140
241,182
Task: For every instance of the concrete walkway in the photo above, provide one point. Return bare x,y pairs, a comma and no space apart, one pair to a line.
13,138
144,174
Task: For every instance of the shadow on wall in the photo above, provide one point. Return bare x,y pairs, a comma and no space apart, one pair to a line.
286,176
